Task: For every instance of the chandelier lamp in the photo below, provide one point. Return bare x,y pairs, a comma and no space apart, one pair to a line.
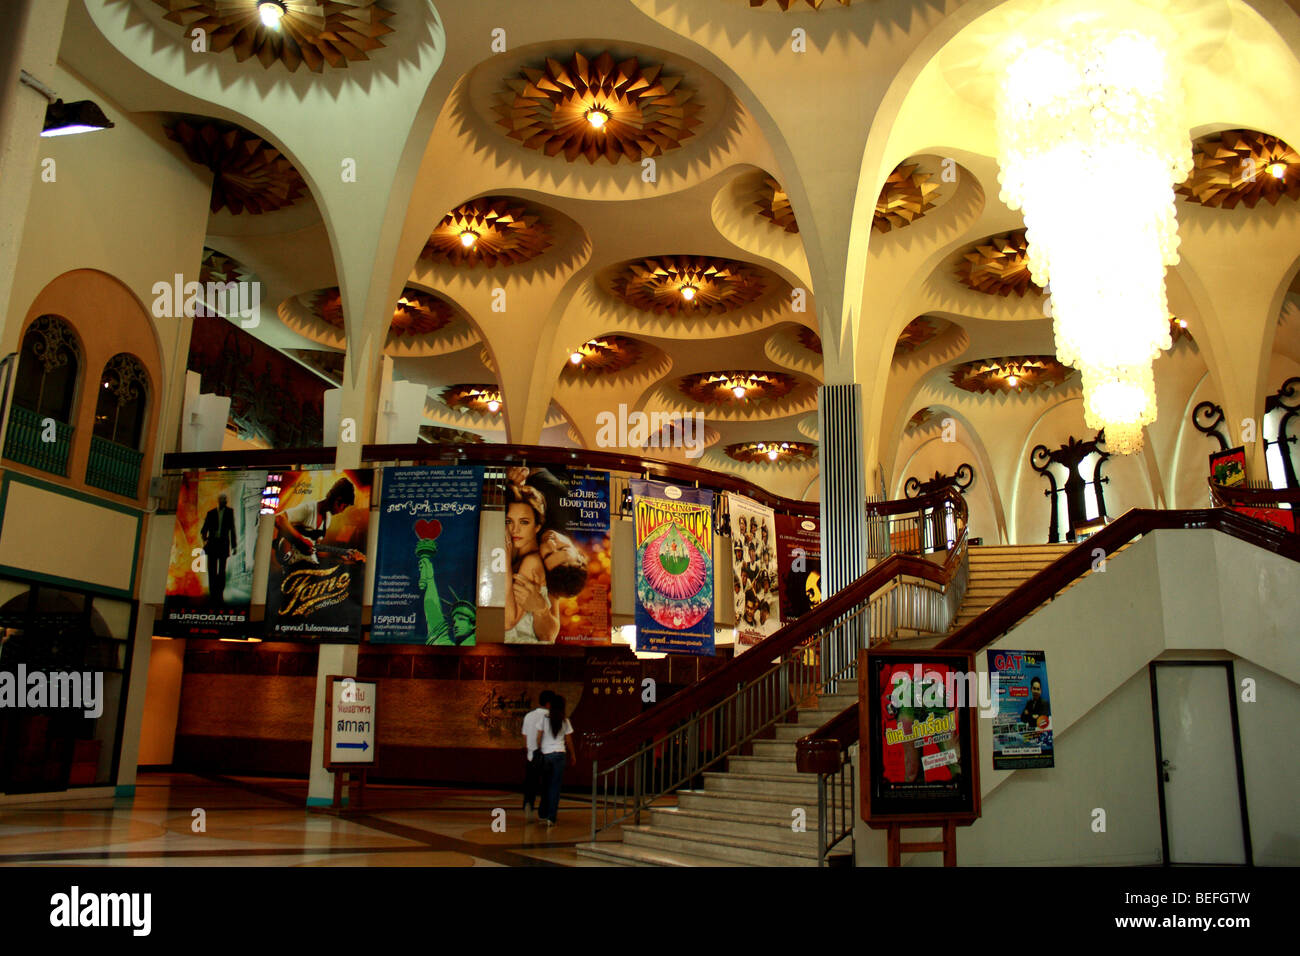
1084,115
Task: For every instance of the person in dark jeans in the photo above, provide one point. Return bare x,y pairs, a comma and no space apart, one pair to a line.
554,742
532,753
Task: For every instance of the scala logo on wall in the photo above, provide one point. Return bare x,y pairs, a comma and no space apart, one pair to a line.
755,580
317,568
674,568
424,574
551,572
799,557
210,578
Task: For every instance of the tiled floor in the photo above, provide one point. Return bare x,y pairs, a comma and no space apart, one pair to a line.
263,822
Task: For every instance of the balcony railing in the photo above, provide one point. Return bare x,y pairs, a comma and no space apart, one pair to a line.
38,441
113,467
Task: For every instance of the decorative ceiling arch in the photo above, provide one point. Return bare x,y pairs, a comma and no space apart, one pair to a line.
660,285
503,230
318,33
641,111
998,265
248,173
1241,166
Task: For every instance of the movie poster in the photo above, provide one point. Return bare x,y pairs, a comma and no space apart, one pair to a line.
755,580
427,554
210,578
1022,725
551,571
317,570
674,568
921,757
799,564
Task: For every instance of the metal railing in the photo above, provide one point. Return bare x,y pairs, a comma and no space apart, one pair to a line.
113,467
901,594
38,441
836,809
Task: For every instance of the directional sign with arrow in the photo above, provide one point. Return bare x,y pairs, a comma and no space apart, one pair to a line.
350,723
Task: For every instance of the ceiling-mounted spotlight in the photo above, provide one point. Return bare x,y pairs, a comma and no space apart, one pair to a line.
494,406
738,391
1277,170
1013,381
688,292
597,116
576,358
64,119
772,454
468,238
271,12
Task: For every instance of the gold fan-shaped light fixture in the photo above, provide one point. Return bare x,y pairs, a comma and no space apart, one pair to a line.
773,204
490,231
906,196
248,173
1241,166
1018,373
484,399
736,387
603,356
687,285
318,33
598,106
417,313
771,452
998,265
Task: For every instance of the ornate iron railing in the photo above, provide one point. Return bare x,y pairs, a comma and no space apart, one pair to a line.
113,467
38,441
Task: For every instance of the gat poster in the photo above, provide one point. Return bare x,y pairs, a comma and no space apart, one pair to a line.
428,544
1022,725
918,735
210,577
317,575
755,580
799,564
550,568
674,568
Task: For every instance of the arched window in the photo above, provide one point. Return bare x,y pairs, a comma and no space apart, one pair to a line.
45,392
123,398
122,401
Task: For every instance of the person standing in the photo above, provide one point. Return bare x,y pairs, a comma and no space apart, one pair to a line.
554,741
532,753
218,535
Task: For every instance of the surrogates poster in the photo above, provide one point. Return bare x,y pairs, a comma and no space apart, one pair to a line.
674,568
210,578
427,556
317,572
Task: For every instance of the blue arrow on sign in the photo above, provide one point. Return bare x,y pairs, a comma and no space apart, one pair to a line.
361,746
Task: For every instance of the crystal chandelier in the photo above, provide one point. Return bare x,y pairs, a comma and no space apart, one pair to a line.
1091,142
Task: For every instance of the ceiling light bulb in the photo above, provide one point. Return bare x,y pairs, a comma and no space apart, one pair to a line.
688,292
771,455
1277,170
271,11
576,358
1182,323
738,391
494,405
468,238
597,116
1012,381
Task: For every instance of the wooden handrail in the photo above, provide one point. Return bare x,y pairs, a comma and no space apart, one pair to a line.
1253,497
820,751
624,739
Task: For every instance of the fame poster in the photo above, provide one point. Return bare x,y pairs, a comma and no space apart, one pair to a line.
1022,724
317,569
674,568
799,564
210,577
428,545
551,571
755,580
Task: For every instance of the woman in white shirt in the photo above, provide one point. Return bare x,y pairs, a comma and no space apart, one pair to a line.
553,739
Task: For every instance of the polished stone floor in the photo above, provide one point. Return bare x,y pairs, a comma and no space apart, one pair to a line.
264,822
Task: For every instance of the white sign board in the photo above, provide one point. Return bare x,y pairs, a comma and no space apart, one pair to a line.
350,727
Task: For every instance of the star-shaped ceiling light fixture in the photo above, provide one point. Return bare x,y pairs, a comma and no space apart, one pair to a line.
248,173
318,33
484,399
490,231
906,196
603,356
772,452
998,265
1018,373
773,204
1241,166
417,313
598,106
736,387
687,285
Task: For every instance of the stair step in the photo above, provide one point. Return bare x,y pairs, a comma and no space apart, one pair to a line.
749,806
786,733
765,784
626,855
764,766
732,850
783,749
751,831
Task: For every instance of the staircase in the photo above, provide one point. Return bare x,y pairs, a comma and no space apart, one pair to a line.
742,817
996,571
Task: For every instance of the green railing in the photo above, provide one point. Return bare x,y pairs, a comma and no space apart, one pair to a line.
113,467
28,441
